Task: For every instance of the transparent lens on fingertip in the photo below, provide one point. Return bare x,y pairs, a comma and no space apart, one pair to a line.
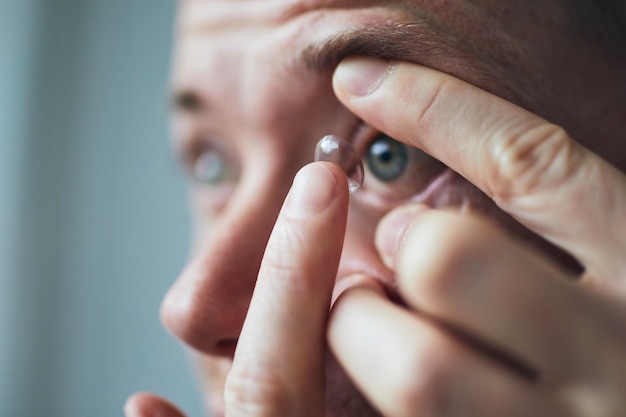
337,150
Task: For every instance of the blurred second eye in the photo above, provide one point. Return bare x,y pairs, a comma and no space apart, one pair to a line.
209,167
214,175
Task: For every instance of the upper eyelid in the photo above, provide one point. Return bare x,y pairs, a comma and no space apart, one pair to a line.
362,137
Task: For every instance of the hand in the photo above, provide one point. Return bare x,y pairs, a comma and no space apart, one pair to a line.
492,327
409,363
278,369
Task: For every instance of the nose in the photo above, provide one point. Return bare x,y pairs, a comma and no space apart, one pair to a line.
206,306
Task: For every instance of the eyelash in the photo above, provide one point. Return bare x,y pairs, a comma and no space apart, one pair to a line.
380,194
362,137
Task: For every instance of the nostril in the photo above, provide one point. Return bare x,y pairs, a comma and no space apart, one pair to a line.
226,347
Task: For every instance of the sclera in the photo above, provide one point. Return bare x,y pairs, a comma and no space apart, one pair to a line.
339,151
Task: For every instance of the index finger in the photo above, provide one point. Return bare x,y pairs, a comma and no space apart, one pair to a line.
531,168
278,369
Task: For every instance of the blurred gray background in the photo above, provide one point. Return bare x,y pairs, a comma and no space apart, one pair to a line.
93,217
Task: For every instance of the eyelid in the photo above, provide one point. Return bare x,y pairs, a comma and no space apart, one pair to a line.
192,147
363,136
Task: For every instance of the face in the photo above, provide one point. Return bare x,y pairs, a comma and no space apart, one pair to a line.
253,95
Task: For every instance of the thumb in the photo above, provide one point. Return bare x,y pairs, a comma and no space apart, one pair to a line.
144,404
531,168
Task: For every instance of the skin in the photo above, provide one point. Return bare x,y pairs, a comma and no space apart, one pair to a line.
490,296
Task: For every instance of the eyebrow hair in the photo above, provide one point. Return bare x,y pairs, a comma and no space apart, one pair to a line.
418,42
187,100
406,42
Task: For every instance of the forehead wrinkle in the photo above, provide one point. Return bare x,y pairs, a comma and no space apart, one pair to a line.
209,15
200,17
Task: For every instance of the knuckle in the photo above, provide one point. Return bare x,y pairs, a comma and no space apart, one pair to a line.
283,250
528,160
288,236
251,390
428,101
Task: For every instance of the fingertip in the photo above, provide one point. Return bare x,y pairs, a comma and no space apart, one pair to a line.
427,246
314,188
392,229
359,290
336,171
356,281
144,404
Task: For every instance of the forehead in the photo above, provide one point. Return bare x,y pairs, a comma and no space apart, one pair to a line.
496,45
244,40
219,12
316,33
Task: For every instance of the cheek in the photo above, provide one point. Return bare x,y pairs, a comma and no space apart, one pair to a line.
359,252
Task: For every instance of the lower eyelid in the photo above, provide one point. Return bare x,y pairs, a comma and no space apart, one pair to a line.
211,200
374,200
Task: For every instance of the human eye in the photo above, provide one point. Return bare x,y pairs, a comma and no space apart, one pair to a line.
394,172
387,159
210,167
212,170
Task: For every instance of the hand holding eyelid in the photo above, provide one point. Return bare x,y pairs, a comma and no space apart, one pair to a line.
532,169
485,291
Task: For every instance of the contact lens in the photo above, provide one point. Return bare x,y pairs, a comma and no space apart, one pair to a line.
337,150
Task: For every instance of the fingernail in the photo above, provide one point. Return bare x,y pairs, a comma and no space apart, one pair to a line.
313,189
360,76
392,229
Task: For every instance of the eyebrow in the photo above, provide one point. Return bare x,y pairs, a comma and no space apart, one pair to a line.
418,42
187,100
408,42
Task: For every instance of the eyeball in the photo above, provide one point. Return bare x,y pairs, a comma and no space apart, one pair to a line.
387,159
339,151
209,168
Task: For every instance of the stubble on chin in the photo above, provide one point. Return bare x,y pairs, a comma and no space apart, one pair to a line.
342,398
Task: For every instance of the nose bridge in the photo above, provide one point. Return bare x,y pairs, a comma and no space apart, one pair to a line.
207,304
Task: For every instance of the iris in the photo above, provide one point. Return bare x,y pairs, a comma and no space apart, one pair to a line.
387,158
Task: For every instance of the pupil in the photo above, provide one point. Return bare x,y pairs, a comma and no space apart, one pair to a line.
387,158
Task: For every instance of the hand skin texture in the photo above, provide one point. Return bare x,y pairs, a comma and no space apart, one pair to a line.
485,325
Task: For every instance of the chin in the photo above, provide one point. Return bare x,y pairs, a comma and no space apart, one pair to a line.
343,399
